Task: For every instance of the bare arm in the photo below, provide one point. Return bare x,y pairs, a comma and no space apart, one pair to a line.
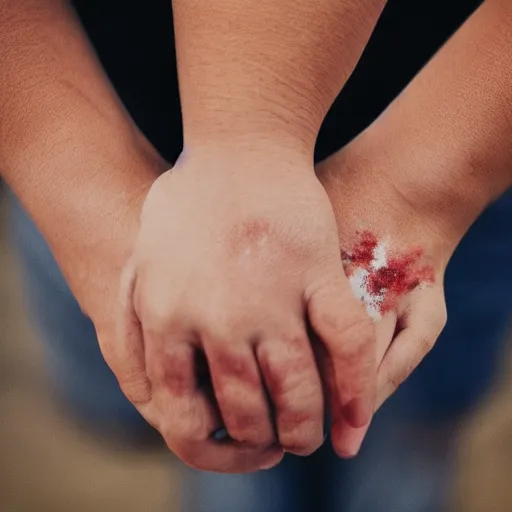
265,72
67,147
416,179
453,126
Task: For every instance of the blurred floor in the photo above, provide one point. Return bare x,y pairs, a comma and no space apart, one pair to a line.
47,464
485,453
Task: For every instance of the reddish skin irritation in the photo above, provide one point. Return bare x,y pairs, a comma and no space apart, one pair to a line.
247,234
362,253
401,275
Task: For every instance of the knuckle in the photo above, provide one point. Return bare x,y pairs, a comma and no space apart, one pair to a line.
288,369
355,341
246,419
155,318
218,330
248,428
137,394
300,394
235,394
232,401
154,311
300,422
426,344
176,380
136,388
301,438
172,367
298,388
169,364
185,434
222,320
394,383
396,379
185,423
360,328
232,367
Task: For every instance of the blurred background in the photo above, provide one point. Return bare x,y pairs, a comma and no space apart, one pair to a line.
51,461
72,443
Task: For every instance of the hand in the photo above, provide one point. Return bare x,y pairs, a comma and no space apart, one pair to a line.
233,253
395,260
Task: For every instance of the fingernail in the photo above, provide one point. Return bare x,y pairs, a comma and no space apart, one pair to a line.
347,455
347,441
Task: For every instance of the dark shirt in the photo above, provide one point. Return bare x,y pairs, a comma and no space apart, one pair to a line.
135,42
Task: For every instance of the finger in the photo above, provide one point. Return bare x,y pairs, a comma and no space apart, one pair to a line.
233,458
240,393
346,440
290,373
200,450
180,402
349,337
384,334
126,356
409,347
187,414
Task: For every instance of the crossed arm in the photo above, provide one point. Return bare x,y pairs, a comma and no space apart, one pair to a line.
83,170
69,150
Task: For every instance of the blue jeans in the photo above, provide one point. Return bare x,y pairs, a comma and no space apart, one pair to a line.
404,465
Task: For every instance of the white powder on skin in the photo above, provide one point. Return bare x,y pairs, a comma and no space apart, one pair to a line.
358,283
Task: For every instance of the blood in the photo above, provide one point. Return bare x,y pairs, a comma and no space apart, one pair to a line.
401,274
362,253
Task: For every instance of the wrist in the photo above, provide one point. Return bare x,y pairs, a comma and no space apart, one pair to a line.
250,147
435,187
86,195
246,157
366,199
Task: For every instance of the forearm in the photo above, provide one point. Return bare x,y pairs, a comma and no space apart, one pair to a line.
452,126
261,70
67,147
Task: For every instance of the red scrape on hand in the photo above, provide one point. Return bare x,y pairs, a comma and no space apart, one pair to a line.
400,274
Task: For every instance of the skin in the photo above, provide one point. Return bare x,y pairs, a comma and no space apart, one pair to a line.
70,151
226,262
85,191
444,174
423,172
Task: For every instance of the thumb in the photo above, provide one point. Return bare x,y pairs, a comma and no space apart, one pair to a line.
348,335
123,349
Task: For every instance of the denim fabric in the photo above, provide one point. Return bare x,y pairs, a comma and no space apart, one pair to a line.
397,470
